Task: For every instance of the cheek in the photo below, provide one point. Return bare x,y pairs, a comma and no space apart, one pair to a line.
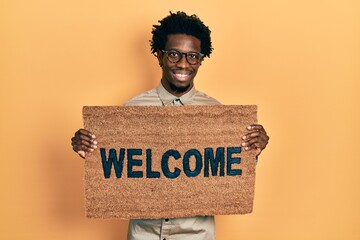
166,66
161,60
196,68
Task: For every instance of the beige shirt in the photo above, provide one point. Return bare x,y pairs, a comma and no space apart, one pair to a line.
189,228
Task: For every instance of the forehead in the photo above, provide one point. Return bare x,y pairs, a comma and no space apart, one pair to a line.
183,43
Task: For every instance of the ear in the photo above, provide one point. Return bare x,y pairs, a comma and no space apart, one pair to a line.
202,59
159,55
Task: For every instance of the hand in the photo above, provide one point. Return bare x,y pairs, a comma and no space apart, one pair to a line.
255,139
83,142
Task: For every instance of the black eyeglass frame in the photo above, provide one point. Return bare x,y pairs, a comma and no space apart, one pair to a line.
181,56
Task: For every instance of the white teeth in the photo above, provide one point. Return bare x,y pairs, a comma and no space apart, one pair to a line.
181,75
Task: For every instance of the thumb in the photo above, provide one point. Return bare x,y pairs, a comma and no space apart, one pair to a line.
81,153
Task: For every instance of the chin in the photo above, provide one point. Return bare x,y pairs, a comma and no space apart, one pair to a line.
180,88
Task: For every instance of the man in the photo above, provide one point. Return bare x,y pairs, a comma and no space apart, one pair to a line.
180,44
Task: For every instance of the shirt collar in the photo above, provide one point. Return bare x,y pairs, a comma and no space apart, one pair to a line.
167,98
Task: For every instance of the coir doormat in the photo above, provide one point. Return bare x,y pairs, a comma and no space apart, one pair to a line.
167,162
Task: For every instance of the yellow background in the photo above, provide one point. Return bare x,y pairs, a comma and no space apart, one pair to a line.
299,61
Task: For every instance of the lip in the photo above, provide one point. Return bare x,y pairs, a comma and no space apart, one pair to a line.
181,76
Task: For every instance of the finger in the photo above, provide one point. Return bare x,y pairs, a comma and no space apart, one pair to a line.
251,135
264,138
256,127
87,139
84,148
261,135
250,142
255,143
258,151
79,144
253,146
85,143
85,133
77,148
81,153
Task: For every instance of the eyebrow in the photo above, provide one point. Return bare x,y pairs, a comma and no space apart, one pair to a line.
192,51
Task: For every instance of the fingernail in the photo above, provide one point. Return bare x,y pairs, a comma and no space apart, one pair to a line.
94,142
249,127
81,153
92,135
244,137
94,146
247,148
91,150
243,144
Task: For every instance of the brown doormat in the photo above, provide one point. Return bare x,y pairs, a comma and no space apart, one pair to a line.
167,162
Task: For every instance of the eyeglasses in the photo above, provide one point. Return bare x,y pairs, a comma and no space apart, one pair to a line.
174,56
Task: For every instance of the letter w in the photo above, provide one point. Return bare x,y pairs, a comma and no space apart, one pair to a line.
118,164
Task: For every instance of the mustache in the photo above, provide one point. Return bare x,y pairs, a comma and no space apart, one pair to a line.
187,69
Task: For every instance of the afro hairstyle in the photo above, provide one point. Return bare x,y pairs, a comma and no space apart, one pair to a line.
180,23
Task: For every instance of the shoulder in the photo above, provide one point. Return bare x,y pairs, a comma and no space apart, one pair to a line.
149,98
201,98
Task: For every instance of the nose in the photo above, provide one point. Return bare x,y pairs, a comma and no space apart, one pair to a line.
183,63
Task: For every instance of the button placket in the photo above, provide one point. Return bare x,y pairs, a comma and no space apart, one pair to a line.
165,228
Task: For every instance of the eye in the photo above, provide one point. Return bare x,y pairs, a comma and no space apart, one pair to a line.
173,54
193,55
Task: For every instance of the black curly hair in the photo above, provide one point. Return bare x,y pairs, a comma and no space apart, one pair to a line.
180,23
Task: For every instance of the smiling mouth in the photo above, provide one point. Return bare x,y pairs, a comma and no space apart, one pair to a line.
182,76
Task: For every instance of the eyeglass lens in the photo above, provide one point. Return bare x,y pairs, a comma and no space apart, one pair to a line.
175,56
